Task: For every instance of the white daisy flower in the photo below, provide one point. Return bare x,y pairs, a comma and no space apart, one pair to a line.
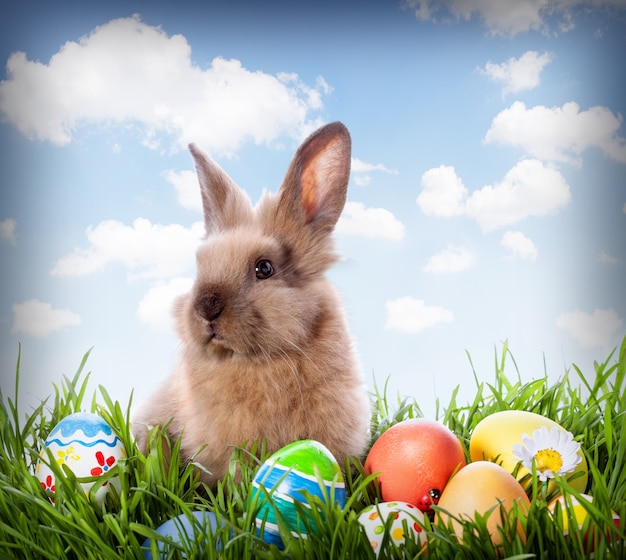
553,452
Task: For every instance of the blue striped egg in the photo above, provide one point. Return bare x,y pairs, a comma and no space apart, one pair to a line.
84,443
292,474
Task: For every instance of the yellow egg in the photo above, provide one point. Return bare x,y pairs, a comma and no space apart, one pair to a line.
494,436
475,489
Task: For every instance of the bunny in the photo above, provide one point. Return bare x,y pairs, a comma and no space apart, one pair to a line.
265,349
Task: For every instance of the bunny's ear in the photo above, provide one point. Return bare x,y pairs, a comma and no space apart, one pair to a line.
225,205
316,183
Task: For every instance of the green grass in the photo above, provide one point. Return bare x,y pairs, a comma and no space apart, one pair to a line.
591,405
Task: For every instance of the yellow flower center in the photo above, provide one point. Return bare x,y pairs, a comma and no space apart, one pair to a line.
548,459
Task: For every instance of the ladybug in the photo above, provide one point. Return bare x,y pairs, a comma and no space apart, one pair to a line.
432,498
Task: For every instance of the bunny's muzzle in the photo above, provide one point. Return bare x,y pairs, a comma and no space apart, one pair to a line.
208,307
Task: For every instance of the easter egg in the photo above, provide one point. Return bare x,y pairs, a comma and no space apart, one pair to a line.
475,489
414,459
578,513
84,443
374,519
181,530
290,475
495,435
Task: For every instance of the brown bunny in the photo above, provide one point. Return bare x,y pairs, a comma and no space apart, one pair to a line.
265,349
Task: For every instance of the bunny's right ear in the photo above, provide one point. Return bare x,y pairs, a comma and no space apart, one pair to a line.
225,205
315,187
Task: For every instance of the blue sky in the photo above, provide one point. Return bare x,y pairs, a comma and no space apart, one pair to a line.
487,198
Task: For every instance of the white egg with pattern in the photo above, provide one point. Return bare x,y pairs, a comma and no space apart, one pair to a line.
87,445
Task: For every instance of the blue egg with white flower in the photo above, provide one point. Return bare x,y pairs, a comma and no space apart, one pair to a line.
190,533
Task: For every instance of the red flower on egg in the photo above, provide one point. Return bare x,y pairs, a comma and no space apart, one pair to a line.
48,484
104,464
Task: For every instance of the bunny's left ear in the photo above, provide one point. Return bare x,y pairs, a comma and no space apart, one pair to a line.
225,205
316,184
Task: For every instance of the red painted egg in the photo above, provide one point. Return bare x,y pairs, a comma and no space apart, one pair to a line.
415,459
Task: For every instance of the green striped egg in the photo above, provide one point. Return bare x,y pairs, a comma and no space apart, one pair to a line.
290,475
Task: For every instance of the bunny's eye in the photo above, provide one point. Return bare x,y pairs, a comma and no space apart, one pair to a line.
263,269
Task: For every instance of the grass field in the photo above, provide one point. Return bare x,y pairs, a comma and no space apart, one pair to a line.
591,405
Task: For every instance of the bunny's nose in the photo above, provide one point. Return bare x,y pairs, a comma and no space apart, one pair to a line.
210,306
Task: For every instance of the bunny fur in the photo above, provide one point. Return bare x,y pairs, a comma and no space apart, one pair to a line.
265,349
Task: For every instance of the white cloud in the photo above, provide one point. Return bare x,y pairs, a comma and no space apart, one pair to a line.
559,133
591,330
186,185
443,193
509,17
361,180
37,318
359,166
452,259
530,188
148,250
413,316
519,245
361,171
8,230
605,258
517,74
155,308
126,71
369,222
